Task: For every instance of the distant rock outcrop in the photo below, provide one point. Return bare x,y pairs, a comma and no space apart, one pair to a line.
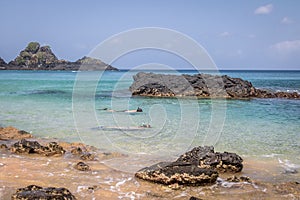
36,57
3,64
201,86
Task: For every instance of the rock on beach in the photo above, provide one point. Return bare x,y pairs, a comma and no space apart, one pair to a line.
200,166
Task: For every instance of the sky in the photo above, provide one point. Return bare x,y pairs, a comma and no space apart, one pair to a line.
237,34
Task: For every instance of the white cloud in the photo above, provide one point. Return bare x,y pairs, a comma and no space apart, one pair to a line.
263,10
225,34
286,20
287,47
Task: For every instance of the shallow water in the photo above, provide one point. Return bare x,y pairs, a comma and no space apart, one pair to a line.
103,182
261,130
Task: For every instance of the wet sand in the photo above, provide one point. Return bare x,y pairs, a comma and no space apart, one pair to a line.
103,182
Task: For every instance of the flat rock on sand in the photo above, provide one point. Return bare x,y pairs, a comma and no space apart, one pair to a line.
200,166
30,147
33,192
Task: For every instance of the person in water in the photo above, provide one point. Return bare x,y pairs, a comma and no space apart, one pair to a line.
127,111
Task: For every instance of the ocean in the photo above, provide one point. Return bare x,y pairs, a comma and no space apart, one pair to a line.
71,106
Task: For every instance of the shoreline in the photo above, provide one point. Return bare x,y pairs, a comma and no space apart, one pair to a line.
21,170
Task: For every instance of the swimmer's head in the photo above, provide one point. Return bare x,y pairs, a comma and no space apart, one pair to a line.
139,109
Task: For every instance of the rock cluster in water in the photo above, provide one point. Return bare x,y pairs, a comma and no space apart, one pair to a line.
33,147
200,166
39,193
200,85
82,154
36,57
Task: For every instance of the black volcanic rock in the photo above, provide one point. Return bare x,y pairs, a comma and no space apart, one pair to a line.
200,166
178,173
206,157
34,192
36,57
33,147
201,86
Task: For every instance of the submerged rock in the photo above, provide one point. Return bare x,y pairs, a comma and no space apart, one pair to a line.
201,86
31,147
200,166
33,192
82,154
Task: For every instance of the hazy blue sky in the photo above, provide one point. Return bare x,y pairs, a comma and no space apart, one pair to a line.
238,34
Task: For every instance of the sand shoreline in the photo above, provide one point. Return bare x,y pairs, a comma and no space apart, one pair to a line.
103,182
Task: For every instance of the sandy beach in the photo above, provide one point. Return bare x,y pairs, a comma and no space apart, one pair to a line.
103,182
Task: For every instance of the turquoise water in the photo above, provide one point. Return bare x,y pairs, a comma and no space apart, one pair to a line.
44,103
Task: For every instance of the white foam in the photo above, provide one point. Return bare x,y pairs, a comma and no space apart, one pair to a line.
81,188
120,183
288,166
272,155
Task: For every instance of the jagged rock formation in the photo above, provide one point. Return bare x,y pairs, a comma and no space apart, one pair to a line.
200,166
207,158
36,57
201,86
39,193
33,147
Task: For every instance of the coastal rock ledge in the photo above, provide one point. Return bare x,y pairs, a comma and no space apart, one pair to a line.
200,166
201,86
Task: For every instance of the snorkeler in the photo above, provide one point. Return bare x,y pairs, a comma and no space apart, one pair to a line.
127,111
133,111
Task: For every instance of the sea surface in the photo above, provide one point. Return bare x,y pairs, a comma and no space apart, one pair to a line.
73,106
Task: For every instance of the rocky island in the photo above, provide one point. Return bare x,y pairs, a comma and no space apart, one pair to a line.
37,57
200,86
